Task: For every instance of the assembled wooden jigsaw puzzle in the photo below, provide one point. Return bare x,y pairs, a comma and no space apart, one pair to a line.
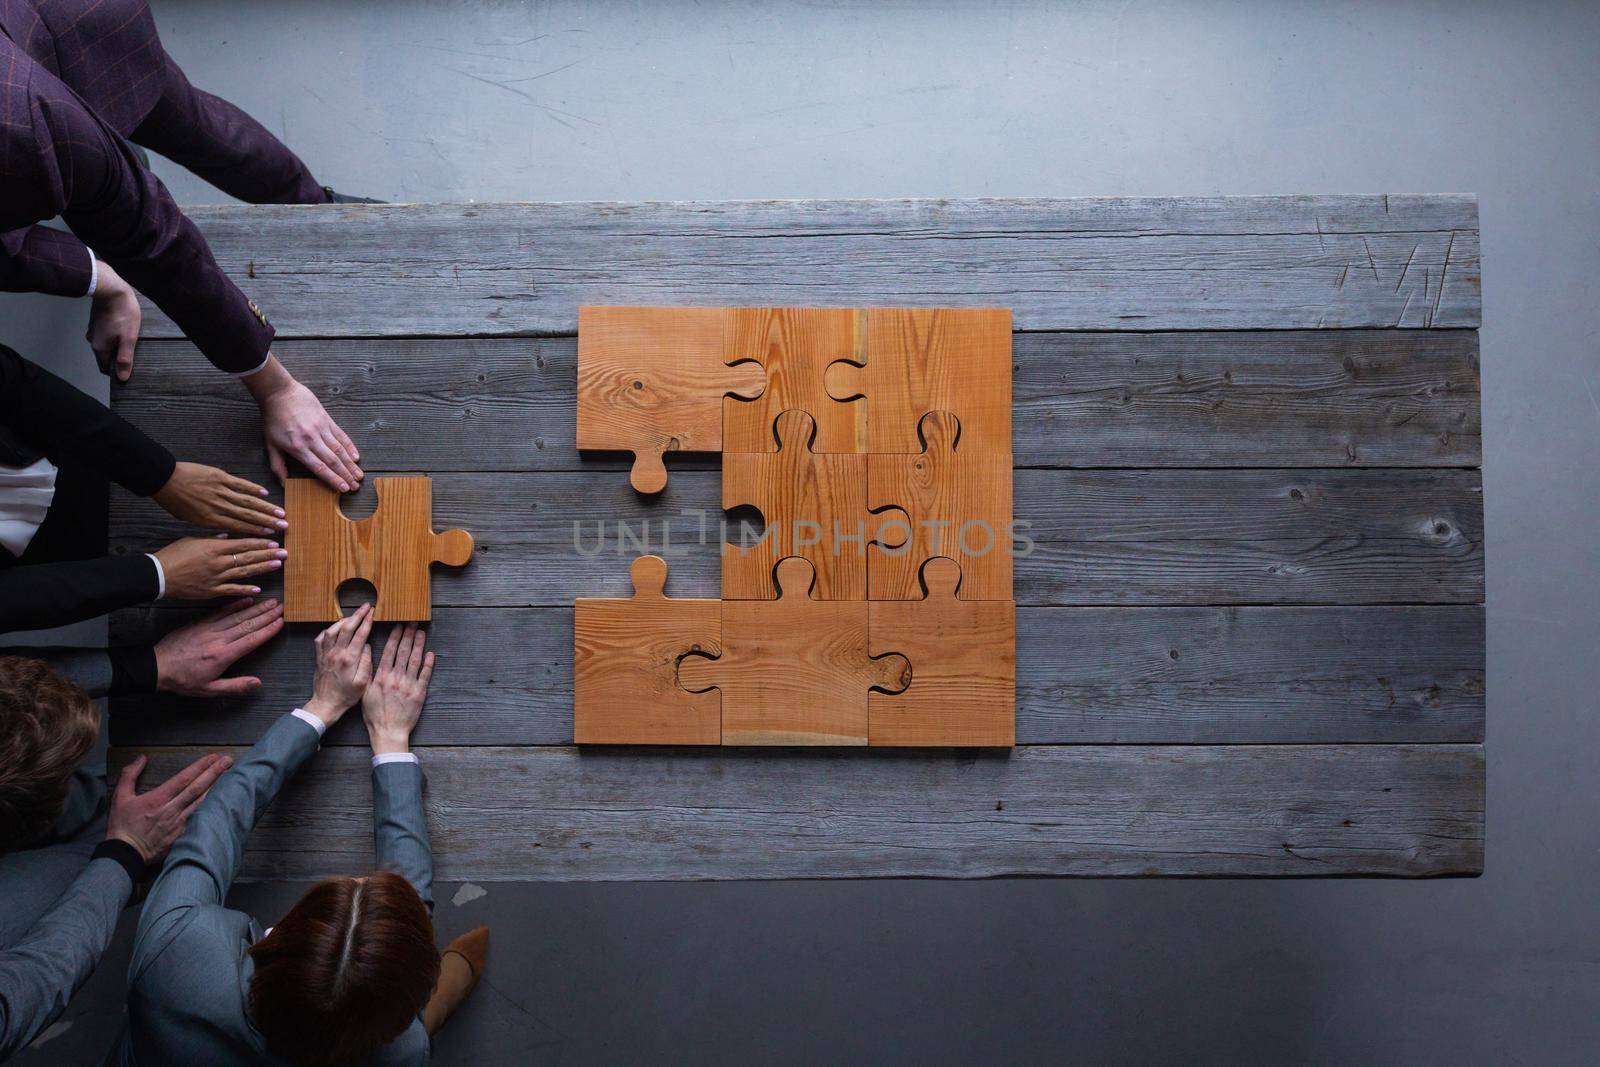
876,608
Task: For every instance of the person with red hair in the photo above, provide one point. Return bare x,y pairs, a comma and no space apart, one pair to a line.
351,973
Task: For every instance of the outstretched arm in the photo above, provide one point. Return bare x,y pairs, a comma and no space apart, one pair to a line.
206,859
391,708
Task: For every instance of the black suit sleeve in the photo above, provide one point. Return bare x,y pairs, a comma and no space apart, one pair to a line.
58,420
54,594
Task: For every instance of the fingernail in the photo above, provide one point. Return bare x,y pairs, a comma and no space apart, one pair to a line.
277,563
263,492
255,589
344,487
272,544
276,511
282,524
266,529
283,553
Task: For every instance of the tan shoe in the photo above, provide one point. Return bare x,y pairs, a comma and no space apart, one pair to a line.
460,966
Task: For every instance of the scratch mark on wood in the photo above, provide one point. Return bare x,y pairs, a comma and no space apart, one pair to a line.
1407,267
1370,261
1443,271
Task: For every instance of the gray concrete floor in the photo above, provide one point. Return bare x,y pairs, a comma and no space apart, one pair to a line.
492,99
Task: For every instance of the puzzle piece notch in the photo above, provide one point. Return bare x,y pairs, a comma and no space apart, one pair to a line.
625,665
958,500
653,380
964,691
796,345
931,359
392,549
795,670
815,507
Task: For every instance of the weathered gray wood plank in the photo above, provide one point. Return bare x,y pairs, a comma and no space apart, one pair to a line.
1084,675
560,814
1083,264
1099,536
1326,398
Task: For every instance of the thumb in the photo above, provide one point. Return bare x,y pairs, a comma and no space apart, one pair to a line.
125,360
130,778
223,687
275,462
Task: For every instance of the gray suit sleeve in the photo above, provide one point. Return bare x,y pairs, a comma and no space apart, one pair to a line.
399,827
204,862
39,974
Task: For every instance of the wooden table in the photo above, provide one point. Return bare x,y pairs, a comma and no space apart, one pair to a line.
1251,633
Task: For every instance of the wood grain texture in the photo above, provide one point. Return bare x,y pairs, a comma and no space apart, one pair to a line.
393,549
814,506
558,814
625,665
1100,537
963,656
795,345
1326,398
957,497
1084,675
795,670
1186,263
651,380
920,360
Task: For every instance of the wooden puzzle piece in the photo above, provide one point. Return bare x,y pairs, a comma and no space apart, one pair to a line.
653,380
794,671
796,346
932,359
625,665
963,691
959,504
815,507
392,549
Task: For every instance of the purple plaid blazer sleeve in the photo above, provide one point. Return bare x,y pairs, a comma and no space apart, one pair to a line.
41,260
57,157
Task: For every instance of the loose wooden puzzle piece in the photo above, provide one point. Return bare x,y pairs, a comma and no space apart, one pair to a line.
815,507
392,549
796,346
964,659
653,380
794,671
932,359
958,500
625,665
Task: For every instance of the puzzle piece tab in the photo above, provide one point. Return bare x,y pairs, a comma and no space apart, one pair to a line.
815,507
625,665
958,500
653,380
796,346
392,549
932,359
794,671
963,691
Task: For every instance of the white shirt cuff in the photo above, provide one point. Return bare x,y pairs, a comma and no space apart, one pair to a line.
94,273
161,576
381,758
253,370
306,717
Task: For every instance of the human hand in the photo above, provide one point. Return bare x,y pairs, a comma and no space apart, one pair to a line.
393,702
211,497
152,821
295,423
344,666
199,568
114,319
190,660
